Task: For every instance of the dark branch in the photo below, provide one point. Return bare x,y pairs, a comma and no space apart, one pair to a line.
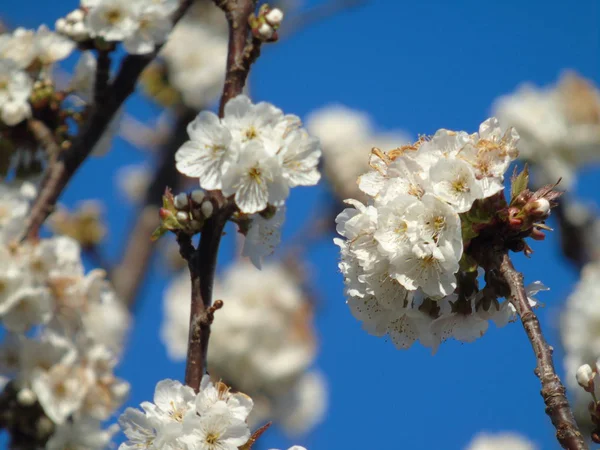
59,175
553,392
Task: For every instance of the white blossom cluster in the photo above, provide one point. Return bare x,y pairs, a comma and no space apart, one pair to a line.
255,154
345,134
196,53
65,330
262,342
215,418
500,441
141,25
581,337
401,251
559,126
25,56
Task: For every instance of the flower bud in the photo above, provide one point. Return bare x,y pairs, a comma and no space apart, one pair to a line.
61,25
537,234
274,17
265,31
198,196
539,208
585,377
207,209
182,216
180,201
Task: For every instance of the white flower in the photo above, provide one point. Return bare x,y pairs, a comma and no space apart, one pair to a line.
82,82
559,124
15,88
211,396
172,401
195,56
81,434
27,307
256,180
263,236
51,47
217,429
153,26
133,180
147,431
299,158
454,182
113,20
209,152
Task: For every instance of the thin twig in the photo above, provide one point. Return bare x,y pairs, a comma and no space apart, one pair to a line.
553,392
44,137
59,175
241,53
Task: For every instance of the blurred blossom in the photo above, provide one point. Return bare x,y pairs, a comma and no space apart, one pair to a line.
559,126
133,181
195,55
500,441
65,329
347,137
581,335
262,342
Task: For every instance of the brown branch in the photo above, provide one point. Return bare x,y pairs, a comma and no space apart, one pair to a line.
553,392
44,137
242,51
59,175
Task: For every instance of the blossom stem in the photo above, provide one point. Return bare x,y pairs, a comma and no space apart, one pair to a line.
202,262
242,50
60,173
553,392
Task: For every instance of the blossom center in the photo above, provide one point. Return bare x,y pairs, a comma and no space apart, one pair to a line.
113,16
212,438
251,133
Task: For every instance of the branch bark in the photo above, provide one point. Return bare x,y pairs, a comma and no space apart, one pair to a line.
59,174
553,392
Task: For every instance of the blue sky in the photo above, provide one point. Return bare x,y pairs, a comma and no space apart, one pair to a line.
418,66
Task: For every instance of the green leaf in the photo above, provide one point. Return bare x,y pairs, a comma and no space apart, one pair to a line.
519,182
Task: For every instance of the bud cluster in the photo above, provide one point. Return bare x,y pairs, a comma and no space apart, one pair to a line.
266,23
184,212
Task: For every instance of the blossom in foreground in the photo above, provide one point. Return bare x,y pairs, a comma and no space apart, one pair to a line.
346,135
215,418
15,89
401,252
254,153
559,125
263,343
67,328
26,47
500,441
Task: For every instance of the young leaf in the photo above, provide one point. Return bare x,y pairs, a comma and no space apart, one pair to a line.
519,182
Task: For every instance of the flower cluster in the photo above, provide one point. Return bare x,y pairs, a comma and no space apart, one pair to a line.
141,25
25,56
402,252
65,329
345,134
559,125
254,153
262,343
215,418
581,341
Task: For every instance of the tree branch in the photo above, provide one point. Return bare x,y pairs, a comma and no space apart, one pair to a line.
553,392
59,175
242,50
